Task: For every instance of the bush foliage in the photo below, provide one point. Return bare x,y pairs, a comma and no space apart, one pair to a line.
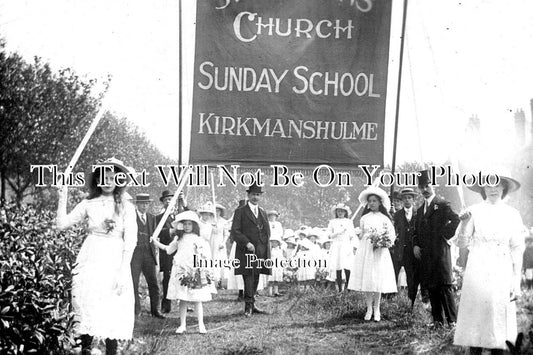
35,281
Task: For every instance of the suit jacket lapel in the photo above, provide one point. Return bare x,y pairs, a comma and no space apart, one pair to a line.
431,208
250,214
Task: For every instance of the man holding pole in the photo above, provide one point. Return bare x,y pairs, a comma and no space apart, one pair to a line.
144,257
251,232
435,225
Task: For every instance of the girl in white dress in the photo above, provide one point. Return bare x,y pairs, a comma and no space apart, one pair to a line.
276,254
373,272
341,232
102,287
306,273
189,282
492,231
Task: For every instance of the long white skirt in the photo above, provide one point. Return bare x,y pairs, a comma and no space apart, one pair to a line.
486,317
98,307
372,270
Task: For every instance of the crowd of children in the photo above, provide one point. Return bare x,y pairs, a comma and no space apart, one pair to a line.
328,255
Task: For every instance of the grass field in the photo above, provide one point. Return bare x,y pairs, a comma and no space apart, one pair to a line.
316,321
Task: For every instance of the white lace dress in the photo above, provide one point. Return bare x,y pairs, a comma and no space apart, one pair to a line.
372,269
186,248
341,250
99,309
486,317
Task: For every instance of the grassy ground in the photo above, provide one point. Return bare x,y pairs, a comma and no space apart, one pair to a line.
313,322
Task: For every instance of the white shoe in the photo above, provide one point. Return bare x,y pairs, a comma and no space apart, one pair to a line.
377,315
201,329
368,314
180,330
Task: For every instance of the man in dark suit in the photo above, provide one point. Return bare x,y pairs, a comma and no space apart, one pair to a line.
402,252
144,257
251,232
435,225
166,236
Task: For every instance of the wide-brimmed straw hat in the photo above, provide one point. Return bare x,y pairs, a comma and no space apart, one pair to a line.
372,190
306,243
288,233
185,216
116,163
504,175
406,191
291,240
275,238
274,212
340,206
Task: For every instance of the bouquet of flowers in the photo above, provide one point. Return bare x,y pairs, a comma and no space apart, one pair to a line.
197,278
321,275
289,276
380,239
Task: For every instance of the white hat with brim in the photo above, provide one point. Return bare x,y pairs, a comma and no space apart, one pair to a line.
324,241
314,232
512,184
341,206
208,207
291,240
118,163
288,233
300,231
372,190
275,238
306,243
186,216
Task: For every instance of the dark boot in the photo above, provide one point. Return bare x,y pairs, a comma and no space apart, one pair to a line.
256,310
165,305
241,296
248,309
111,346
339,280
347,273
86,344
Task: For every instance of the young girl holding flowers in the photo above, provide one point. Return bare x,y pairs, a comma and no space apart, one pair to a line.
189,283
373,272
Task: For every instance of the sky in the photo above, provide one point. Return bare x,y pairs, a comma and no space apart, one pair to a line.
461,58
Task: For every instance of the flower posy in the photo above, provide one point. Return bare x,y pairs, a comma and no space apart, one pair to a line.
380,239
109,224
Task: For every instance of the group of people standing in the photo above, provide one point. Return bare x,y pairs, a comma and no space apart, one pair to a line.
120,246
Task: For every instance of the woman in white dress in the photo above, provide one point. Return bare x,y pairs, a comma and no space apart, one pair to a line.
373,272
341,231
212,230
492,231
102,287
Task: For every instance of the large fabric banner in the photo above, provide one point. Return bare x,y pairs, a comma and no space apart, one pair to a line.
294,82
